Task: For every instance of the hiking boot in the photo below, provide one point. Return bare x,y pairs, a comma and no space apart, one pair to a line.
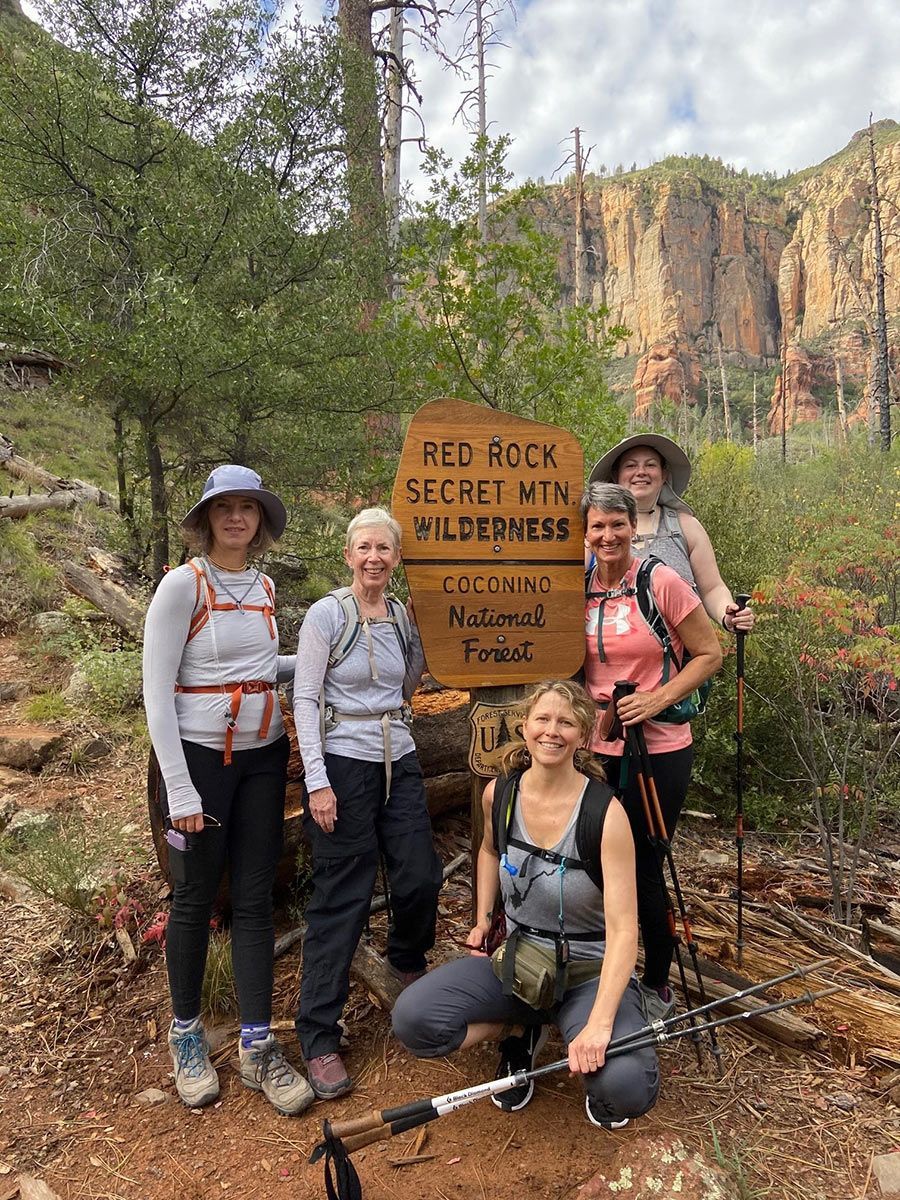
602,1122
196,1080
518,1054
328,1076
657,1004
265,1069
406,977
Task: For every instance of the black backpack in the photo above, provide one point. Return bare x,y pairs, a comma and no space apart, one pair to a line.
588,830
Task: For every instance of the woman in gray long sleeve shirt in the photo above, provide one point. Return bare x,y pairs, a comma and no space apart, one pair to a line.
365,788
211,664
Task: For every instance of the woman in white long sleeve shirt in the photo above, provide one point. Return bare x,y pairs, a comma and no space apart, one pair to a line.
211,665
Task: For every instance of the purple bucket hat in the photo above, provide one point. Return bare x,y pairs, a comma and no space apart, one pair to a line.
233,480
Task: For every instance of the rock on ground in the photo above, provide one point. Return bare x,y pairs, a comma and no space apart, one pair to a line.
646,1168
32,1188
886,1168
27,747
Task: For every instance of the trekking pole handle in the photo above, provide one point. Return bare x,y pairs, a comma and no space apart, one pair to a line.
344,1129
358,1140
741,600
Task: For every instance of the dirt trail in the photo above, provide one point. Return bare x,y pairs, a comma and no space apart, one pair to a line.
84,1034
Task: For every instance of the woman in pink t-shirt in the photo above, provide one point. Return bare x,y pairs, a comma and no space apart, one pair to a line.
619,645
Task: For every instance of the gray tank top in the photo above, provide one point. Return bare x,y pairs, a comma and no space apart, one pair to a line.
533,895
668,544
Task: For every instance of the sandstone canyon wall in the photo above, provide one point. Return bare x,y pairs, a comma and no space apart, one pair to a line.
681,258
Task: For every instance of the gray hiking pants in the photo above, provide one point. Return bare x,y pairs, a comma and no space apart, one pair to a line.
432,1015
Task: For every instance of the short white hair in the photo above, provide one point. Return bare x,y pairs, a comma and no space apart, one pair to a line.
374,518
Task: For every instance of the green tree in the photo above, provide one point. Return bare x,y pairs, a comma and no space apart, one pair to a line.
174,204
481,318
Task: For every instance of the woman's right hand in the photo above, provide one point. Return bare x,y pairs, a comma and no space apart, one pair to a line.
323,808
476,938
191,824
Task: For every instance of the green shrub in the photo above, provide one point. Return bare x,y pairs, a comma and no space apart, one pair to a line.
48,706
219,997
61,860
28,584
106,682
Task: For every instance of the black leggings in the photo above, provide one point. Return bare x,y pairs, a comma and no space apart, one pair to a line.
672,773
247,798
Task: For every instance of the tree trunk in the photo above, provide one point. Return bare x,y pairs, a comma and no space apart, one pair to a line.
482,119
393,141
880,390
784,392
839,391
159,505
31,473
579,220
726,405
362,132
755,419
14,508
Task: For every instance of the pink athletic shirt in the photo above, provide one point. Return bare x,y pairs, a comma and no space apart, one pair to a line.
632,652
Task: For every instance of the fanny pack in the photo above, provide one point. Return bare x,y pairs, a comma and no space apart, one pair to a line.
531,970
688,708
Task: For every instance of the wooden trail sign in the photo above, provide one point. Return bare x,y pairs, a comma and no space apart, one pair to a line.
492,544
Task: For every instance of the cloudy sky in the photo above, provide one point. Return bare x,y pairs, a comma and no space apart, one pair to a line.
763,84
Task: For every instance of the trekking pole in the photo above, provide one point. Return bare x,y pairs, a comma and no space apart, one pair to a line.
637,744
341,1138
741,600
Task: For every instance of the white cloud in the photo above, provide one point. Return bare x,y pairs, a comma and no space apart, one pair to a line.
765,84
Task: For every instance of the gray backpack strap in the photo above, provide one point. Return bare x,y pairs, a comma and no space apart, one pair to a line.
670,523
349,635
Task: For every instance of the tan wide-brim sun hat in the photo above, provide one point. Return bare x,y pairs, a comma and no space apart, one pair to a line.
675,459
233,480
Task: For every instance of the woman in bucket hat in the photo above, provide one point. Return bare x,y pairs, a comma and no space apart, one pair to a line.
656,471
211,666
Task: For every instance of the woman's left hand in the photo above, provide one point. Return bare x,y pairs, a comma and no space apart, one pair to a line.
638,707
587,1052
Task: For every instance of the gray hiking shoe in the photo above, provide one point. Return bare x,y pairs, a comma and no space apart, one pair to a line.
655,1006
196,1080
265,1069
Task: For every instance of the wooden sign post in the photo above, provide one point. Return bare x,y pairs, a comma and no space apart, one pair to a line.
494,552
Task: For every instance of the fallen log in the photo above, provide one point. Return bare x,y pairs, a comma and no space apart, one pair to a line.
37,477
375,974
817,935
111,599
15,508
883,943
785,1028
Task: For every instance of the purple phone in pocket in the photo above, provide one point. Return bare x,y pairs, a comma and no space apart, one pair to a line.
176,839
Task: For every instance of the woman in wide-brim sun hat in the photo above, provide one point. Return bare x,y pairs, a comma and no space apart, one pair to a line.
656,471
211,666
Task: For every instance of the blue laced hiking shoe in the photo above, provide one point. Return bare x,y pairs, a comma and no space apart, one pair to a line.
265,1069
196,1080
519,1054
602,1122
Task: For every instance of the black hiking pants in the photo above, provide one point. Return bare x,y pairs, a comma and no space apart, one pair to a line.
672,773
247,799
345,863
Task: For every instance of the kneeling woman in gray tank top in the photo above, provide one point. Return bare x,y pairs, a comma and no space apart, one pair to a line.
557,858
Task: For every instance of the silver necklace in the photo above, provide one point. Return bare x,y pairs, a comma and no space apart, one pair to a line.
238,602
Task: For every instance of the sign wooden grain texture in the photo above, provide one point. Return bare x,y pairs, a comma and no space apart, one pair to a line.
492,544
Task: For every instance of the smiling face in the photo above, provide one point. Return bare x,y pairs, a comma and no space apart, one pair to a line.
608,535
233,522
372,556
641,470
551,730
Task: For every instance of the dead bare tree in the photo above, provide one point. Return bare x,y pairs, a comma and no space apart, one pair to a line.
880,389
481,32
578,159
726,404
839,395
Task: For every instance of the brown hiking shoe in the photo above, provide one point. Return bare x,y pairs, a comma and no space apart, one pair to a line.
407,977
328,1076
